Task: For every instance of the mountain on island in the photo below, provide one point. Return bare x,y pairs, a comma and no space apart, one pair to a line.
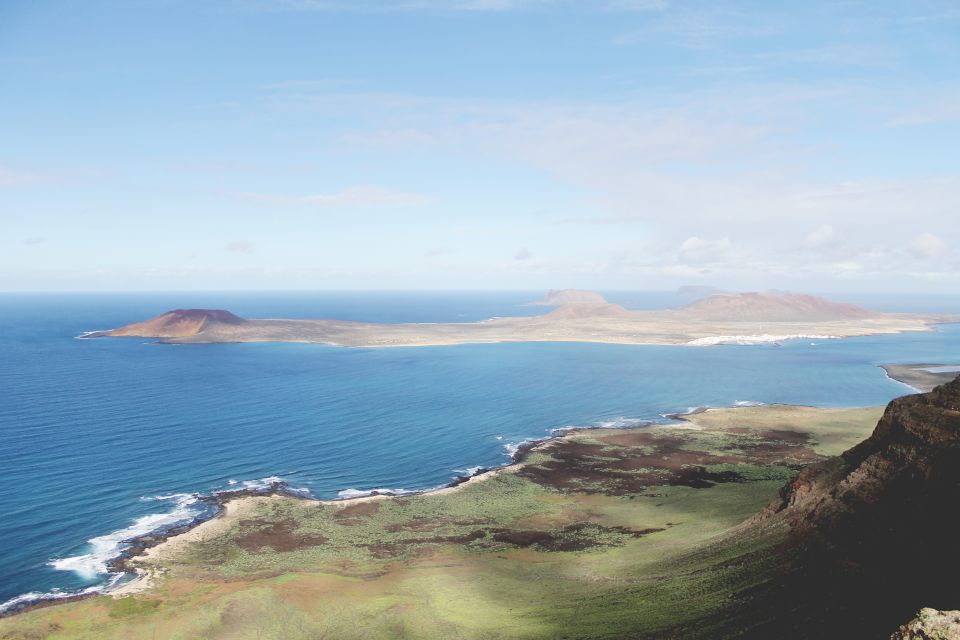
711,305
872,532
772,307
588,310
559,297
178,323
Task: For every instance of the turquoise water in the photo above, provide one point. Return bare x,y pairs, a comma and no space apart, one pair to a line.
104,439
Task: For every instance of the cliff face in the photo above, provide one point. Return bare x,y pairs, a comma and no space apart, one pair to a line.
909,463
873,533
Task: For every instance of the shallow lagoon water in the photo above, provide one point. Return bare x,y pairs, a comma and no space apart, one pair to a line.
105,436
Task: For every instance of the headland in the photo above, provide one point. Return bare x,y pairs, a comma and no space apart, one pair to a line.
575,517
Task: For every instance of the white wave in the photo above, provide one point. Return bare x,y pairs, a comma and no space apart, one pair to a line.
614,423
261,484
691,411
512,448
749,403
169,496
499,437
892,379
54,594
469,471
268,483
86,334
622,423
561,430
347,494
764,338
102,549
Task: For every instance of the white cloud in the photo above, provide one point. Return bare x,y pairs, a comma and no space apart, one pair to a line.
522,254
703,28
698,251
714,165
821,236
928,246
352,197
239,246
10,177
463,5
34,240
399,138
940,109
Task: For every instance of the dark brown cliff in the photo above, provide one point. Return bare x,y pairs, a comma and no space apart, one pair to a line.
875,533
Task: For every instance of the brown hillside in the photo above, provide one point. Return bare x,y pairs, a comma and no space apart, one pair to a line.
772,307
872,532
178,323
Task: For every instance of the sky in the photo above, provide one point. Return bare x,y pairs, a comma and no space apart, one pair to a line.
479,144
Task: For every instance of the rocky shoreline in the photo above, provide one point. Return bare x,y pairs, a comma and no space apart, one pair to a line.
131,560
138,547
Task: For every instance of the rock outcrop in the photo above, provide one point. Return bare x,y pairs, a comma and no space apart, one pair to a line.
930,624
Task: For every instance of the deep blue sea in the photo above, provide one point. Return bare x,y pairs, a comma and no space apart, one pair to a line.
107,438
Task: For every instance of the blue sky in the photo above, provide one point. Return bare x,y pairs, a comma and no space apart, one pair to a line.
374,144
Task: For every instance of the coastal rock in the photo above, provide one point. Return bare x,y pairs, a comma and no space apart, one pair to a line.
930,624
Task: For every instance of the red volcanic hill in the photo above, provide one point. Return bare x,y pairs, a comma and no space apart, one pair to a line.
772,307
178,323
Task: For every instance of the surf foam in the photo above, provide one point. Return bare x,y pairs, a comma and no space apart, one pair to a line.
348,494
747,340
102,549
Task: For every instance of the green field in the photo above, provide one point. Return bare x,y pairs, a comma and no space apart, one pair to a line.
601,534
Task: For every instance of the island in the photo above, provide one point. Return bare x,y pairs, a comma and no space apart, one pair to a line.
743,318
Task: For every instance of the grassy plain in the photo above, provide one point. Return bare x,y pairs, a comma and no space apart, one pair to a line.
600,534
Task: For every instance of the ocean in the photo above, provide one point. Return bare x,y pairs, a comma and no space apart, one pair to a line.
105,439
